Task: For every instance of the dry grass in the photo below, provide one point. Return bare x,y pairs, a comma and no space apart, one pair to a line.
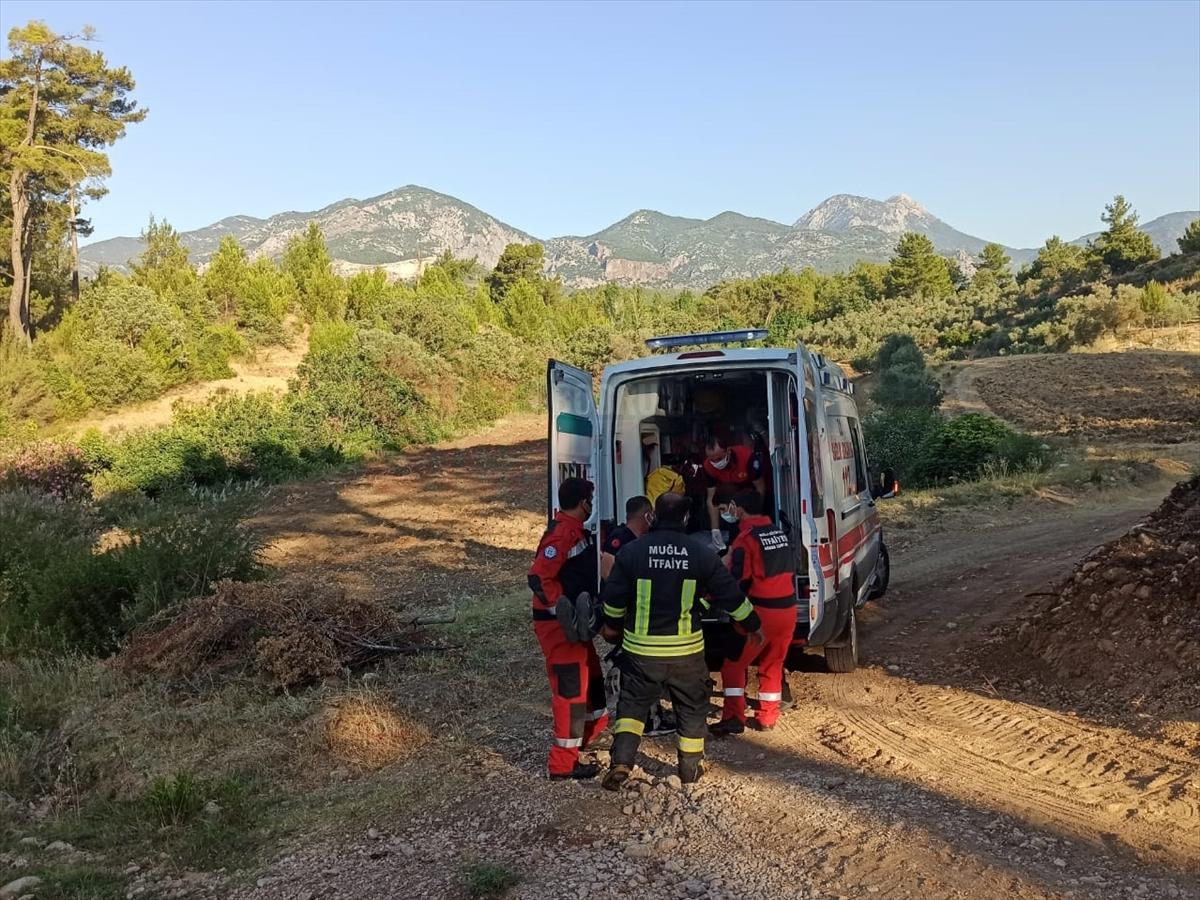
366,732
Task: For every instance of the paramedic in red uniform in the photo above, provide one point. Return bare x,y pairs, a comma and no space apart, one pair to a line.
737,467
565,566
763,562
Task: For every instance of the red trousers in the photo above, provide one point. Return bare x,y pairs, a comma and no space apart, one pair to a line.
576,694
779,626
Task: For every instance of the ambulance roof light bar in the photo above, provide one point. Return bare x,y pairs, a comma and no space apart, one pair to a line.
671,342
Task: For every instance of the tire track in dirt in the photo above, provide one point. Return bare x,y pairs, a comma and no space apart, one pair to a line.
1099,785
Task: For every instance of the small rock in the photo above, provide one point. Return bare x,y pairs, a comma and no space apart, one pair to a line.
59,847
832,783
31,842
267,880
1060,862
638,851
17,888
212,808
132,869
950,626
667,844
894,669
696,888
673,782
373,833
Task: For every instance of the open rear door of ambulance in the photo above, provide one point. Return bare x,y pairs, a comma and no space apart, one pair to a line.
812,502
573,440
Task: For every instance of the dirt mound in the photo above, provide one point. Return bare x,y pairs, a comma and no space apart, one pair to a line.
293,634
1126,624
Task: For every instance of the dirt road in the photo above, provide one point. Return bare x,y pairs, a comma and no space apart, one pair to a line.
925,774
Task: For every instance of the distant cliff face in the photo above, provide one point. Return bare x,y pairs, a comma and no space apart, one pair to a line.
403,230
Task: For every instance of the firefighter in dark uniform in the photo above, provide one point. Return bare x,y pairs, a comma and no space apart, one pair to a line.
763,562
565,568
652,602
639,519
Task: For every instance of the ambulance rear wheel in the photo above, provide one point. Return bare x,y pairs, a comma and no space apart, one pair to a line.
843,658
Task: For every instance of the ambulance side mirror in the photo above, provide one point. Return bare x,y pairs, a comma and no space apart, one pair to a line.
885,485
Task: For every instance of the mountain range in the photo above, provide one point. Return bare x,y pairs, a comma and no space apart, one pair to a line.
403,230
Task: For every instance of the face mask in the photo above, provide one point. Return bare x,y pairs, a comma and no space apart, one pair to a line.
720,464
729,517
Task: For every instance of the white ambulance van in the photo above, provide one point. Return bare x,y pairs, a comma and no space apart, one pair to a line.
793,405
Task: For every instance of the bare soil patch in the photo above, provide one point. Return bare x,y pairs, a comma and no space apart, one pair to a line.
1142,395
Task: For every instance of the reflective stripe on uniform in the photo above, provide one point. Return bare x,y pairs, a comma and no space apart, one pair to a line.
664,644
581,547
685,606
597,714
691,745
614,612
663,652
742,611
568,742
770,696
641,622
734,692
629,726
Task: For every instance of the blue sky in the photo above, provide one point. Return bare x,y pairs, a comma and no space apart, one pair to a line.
1010,121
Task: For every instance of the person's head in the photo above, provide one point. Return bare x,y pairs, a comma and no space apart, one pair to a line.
746,503
723,501
639,514
671,510
575,497
716,452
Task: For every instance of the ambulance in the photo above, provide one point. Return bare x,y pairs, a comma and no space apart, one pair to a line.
794,406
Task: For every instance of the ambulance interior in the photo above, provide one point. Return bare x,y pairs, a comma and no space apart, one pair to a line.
679,410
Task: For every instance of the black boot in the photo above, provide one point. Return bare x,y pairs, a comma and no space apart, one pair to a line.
691,767
617,776
581,772
726,727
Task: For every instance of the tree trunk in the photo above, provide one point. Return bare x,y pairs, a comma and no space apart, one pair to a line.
18,301
18,182
74,249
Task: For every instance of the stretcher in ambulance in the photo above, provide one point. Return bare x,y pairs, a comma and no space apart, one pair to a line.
793,406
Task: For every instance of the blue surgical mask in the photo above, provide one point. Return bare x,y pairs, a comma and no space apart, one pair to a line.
729,517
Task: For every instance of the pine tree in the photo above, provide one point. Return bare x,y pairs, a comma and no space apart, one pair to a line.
993,259
916,270
1121,246
518,262
1189,241
60,104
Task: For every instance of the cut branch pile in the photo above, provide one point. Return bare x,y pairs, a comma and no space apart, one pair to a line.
292,634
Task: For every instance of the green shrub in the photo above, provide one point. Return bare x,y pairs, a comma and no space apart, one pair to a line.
894,439
487,881
904,381
344,383
959,450
62,587
184,543
233,438
175,800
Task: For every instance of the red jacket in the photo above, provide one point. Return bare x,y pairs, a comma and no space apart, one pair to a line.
743,469
763,561
565,564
